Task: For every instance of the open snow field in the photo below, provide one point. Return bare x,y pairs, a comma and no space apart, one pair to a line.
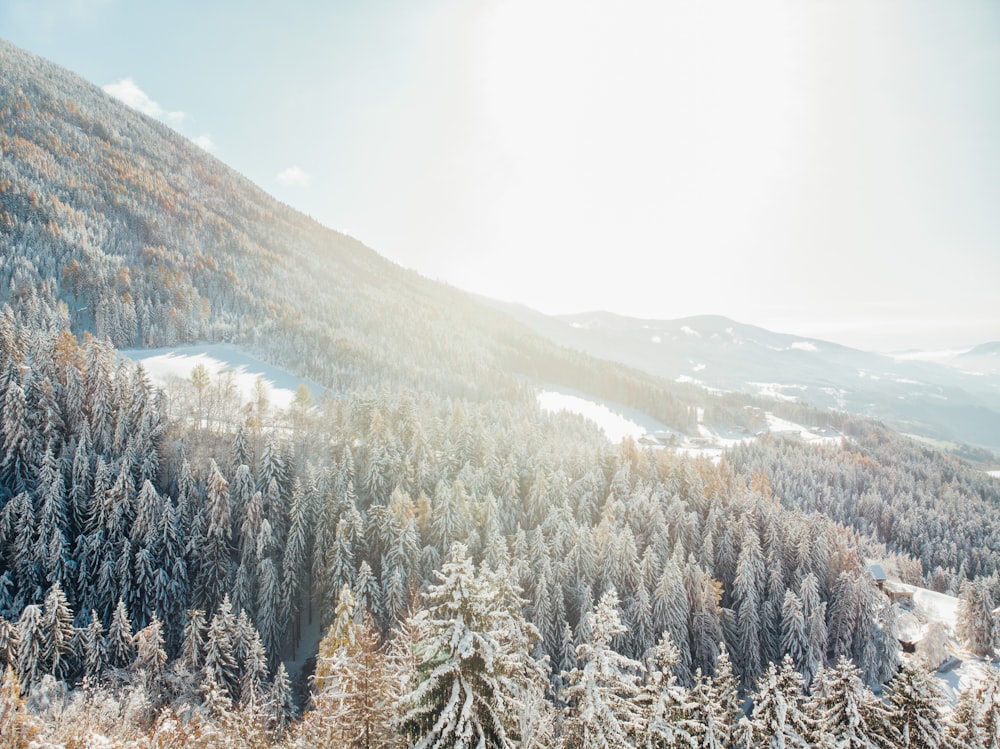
164,364
618,422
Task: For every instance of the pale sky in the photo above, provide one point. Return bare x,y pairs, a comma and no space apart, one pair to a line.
817,167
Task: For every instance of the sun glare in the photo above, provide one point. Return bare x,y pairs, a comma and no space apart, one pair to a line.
631,130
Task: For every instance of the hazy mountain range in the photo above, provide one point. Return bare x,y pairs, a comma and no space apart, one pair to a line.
947,395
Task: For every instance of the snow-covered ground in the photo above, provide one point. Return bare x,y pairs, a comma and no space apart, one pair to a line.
163,364
776,425
618,422
994,474
929,606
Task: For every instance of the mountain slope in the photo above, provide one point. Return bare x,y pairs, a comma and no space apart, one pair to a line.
917,396
150,241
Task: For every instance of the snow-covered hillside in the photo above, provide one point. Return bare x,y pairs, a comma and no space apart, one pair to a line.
618,422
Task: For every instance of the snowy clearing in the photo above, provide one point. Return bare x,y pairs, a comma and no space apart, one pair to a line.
804,346
929,606
617,422
777,425
164,364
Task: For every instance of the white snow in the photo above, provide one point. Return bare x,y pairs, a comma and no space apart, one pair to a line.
164,364
804,346
777,425
698,367
690,331
994,474
614,423
656,339
686,378
929,606
775,390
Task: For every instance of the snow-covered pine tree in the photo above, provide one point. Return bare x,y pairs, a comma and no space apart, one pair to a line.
474,669
280,706
121,642
847,714
667,706
601,692
216,555
57,629
150,657
918,708
748,594
975,623
778,719
95,648
220,650
31,646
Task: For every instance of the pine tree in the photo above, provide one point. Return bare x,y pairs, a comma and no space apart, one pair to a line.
847,713
778,718
57,629
221,666
8,643
95,649
975,624
794,639
602,710
748,595
918,709
253,673
280,706
217,555
150,657
31,646
121,642
473,665
667,707
192,654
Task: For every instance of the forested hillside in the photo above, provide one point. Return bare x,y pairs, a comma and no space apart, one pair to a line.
151,241
480,573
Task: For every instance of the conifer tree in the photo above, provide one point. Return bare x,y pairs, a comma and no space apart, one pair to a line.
280,707
121,642
778,718
667,707
31,646
221,665
473,665
216,556
57,629
601,692
95,648
918,709
847,713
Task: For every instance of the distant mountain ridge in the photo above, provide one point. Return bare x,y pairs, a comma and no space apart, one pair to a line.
923,397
